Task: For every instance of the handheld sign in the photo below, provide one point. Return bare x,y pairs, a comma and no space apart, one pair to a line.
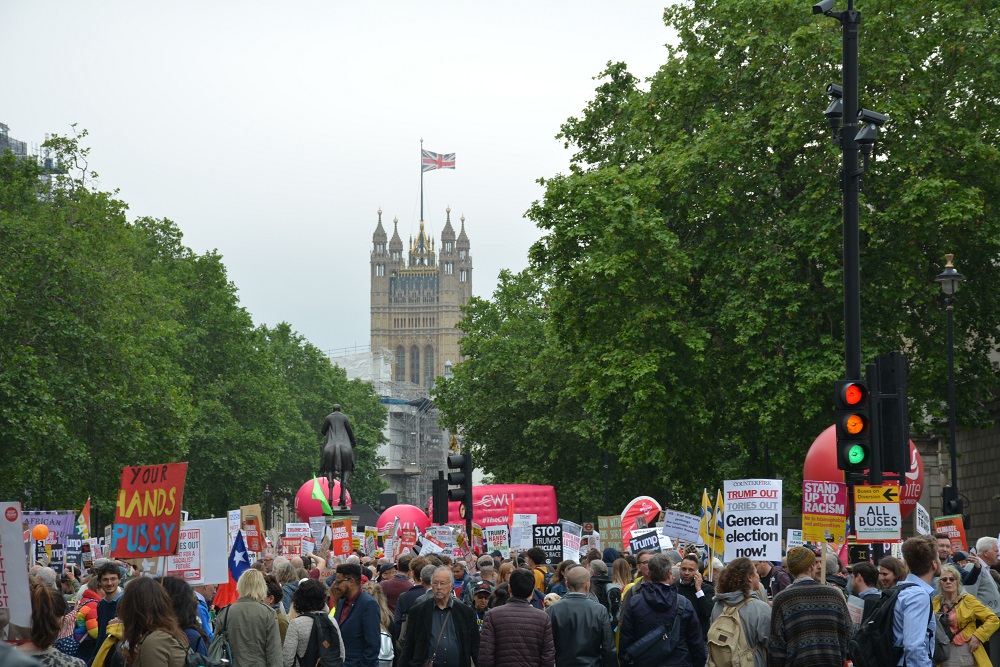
148,512
549,538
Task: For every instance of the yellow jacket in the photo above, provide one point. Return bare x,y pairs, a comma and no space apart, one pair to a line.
968,610
115,633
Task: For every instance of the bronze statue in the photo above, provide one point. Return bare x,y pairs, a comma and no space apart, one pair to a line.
338,452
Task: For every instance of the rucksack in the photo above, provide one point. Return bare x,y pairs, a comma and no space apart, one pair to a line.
220,650
323,649
613,592
727,643
872,646
547,580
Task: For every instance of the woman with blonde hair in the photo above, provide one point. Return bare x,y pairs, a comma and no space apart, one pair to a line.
959,613
387,625
621,573
250,625
503,574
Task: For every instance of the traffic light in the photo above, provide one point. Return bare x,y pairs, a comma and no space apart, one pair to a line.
853,425
439,496
460,475
950,502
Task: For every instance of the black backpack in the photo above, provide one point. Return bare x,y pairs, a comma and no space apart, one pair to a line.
323,649
872,646
546,577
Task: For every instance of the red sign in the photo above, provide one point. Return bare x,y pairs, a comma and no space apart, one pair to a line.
341,543
953,526
148,514
251,530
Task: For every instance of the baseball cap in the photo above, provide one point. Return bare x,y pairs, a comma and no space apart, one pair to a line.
386,567
483,587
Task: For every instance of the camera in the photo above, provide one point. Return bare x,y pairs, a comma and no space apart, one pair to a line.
823,6
873,117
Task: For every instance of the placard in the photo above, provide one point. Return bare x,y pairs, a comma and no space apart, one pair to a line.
297,530
525,519
953,526
371,540
14,594
680,525
794,539
824,512
571,534
522,537
876,513
148,511
644,538
317,525
752,519
548,537
610,528
341,539
211,555
922,520
186,563
497,538
234,525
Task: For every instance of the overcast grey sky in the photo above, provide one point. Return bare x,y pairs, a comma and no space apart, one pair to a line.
273,131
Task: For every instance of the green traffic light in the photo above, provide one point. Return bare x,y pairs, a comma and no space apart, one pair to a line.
856,454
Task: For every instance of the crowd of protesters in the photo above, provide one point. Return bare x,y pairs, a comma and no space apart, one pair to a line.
607,609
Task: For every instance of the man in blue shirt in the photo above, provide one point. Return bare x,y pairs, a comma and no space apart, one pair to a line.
912,621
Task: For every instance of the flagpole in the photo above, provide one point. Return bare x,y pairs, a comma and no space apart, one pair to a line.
421,179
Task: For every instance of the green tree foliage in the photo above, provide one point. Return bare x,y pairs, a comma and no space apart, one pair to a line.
120,346
691,257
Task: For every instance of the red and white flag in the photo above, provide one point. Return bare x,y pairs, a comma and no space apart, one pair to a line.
430,161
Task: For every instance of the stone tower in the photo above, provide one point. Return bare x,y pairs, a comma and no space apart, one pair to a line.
415,303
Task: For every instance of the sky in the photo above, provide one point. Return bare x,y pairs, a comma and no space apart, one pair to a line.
273,132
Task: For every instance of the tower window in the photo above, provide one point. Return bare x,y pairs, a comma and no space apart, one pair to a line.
447,246
400,373
461,254
415,365
428,366
463,275
449,268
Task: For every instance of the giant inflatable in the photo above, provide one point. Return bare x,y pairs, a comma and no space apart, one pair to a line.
821,465
494,503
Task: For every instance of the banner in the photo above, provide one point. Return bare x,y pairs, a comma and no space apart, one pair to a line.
571,539
548,538
753,519
922,520
610,528
83,521
186,563
644,538
14,596
341,540
680,525
253,534
824,512
201,553
497,538
60,524
148,512
639,513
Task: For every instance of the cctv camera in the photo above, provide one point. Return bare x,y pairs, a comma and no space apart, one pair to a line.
833,90
873,117
823,6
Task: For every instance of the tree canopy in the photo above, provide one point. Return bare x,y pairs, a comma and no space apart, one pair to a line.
120,346
687,293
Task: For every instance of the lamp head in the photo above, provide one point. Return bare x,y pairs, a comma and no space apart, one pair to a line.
950,277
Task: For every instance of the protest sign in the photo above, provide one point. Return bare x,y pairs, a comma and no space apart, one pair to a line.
794,539
548,538
571,538
477,538
824,512
592,541
407,539
299,530
317,525
202,559
186,563
638,514
60,524
253,534
610,528
752,517
922,520
644,538
680,525
371,540
148,511
953,526
74,550
341,538
291,546
308,546
14,596
521,537
496,538
525,519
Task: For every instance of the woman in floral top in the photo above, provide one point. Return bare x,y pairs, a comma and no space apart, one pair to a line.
47,610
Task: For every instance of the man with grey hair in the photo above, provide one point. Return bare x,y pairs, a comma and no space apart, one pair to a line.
599,581
47,577
439,629
486,573
581,629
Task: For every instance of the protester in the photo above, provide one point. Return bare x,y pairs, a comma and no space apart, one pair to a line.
185,606
108,576
516,633
85,629
503,572
461,574
810,622
864,578
357,614
697,591
557,584
153,636
387,626
397,583
251,625
773,577
581,630
273,600
289,580
912,622
621,573
205,593
440,630
310,605
409,598
535,561
481,594
891,571
967,622
734,593
47,610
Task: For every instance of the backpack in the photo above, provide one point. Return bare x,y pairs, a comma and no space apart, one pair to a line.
386,649
219,650
547,580
613,592
872,646
323,649
727,643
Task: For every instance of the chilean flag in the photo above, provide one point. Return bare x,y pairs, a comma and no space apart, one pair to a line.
226,594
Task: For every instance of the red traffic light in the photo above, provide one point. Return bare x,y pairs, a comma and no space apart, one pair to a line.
852,393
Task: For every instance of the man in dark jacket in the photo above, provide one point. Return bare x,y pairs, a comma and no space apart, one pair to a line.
774,578
358,615
655,606
698,592
581,629
441,627
516,634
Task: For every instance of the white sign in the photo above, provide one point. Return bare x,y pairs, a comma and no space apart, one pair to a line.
208,538
571,534
186,563
794,539
525,519
234,527
521,537
680,525
497,538
923,520
665,543
317,525
878,522
299,530
752,517
14,594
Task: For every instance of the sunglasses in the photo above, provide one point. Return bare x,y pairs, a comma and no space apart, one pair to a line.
947,579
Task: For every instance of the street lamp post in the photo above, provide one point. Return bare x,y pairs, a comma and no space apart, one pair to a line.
267,507
949,280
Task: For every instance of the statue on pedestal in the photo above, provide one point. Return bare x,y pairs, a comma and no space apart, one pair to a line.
338,452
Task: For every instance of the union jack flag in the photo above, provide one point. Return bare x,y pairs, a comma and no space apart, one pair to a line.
429,160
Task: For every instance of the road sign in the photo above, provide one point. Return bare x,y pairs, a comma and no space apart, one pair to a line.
876,513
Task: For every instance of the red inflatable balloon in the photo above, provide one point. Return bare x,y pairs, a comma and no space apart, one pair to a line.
821,465
306,507
410,516
40,531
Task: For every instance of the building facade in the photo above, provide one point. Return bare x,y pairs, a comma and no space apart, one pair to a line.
416,299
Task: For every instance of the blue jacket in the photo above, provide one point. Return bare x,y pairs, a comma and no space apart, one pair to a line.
654,606
361,631
205,617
